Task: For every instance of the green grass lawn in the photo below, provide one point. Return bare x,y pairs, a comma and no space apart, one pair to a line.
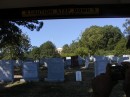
68,88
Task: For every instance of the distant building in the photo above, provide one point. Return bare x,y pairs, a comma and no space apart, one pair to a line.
59,50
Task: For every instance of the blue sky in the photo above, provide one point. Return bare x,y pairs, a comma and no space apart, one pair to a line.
63,31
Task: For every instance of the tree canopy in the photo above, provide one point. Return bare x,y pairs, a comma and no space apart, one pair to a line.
10,31
35,53
96,40
97,37
12,37
126,25
16,51
48,49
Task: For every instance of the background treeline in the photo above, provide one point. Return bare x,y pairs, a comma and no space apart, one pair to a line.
95,40
98,40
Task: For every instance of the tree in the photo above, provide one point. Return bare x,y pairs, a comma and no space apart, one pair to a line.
120,48
105,38
17,51
35,53
12,37
126,25
82,51
48,49
73,46
112,36
90,37
10,31
76,49
66,51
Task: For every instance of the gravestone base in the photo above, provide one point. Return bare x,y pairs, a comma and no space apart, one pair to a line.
53,80
31,79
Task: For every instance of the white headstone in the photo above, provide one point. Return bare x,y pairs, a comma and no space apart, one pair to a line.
100,64
123,59
55,70
68,57
92,58
127,58
30,71
6,70
78,76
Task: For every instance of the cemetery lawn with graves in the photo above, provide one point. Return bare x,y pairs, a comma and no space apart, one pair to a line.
69,88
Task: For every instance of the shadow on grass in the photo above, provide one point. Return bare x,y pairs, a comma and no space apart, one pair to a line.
17,90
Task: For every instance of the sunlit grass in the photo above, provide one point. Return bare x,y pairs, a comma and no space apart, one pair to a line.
14,84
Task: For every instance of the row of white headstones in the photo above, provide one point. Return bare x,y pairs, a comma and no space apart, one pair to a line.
30,70
100,62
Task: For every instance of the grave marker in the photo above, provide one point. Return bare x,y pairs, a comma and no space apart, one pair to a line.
30,71
78,76
55,70
6,70
100,64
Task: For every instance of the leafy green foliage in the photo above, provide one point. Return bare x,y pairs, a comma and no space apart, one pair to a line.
16,51
68,50
48,49
126,25
120,48
82,51
99,41
35,53
13,41
10,31
105,38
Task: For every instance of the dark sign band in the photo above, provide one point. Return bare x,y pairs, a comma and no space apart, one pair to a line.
67,11
60,12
